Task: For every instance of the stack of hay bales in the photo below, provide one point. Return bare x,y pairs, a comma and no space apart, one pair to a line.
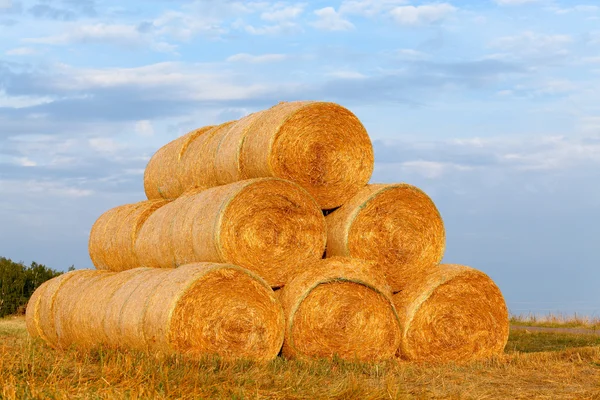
232,255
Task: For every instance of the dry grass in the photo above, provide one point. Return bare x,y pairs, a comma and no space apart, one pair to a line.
28,369
556,321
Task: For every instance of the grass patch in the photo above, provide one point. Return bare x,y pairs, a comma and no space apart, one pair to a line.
556,321
31,370
529,342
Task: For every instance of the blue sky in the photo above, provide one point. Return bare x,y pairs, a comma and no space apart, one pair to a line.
491,107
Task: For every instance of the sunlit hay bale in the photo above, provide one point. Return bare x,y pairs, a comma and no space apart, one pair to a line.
206,308
395,224
162,174
113,236
266,225
340,306
198,164
227,162
322,146
454,313
113,315
68,304
153,244
32,313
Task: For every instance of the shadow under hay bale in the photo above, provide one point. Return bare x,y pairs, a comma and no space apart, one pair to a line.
340,306
198,310
319,145
395,224
266,225
454,313
113,236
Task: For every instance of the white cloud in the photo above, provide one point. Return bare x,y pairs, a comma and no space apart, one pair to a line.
284,27
533,45
283,14
45,188
369,8
144,128
578,8
104,145
346,75
21,51
432,169
330,20
591,60
420,15
263,58
5,4
410,54
25,162
515,2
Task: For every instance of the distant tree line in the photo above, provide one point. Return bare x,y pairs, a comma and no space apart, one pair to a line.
18,282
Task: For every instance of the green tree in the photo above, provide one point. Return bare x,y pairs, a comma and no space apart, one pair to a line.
18,282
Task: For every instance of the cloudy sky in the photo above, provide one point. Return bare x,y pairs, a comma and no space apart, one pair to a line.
492,107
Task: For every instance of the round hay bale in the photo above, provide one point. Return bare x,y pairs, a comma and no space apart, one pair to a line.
32,313
67,304
129,281
113,236
340,306
395,224
266,225
454,313
222,309
227,162
162,174
198,167
322,146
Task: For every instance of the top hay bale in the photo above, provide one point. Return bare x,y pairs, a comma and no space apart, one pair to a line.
319,145
453,313
397,225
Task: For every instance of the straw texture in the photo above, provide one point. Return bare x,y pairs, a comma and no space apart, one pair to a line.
454,313
162,177
395,224
113,236
197,309
32,313
322,146
340,306
267,225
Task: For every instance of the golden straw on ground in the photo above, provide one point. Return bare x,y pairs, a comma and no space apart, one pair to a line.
113,236
395,224
267,225
454,313
322,146
340,306
198,309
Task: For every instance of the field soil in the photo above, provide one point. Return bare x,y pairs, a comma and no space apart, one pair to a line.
536,365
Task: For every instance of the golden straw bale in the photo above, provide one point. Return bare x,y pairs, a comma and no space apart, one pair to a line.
198,162
162,174
219,309
113,236
322,146
198,309
395,224
453,313
32,313
44,314
112,316
266,225
153,248
227,162
340,306
68,304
